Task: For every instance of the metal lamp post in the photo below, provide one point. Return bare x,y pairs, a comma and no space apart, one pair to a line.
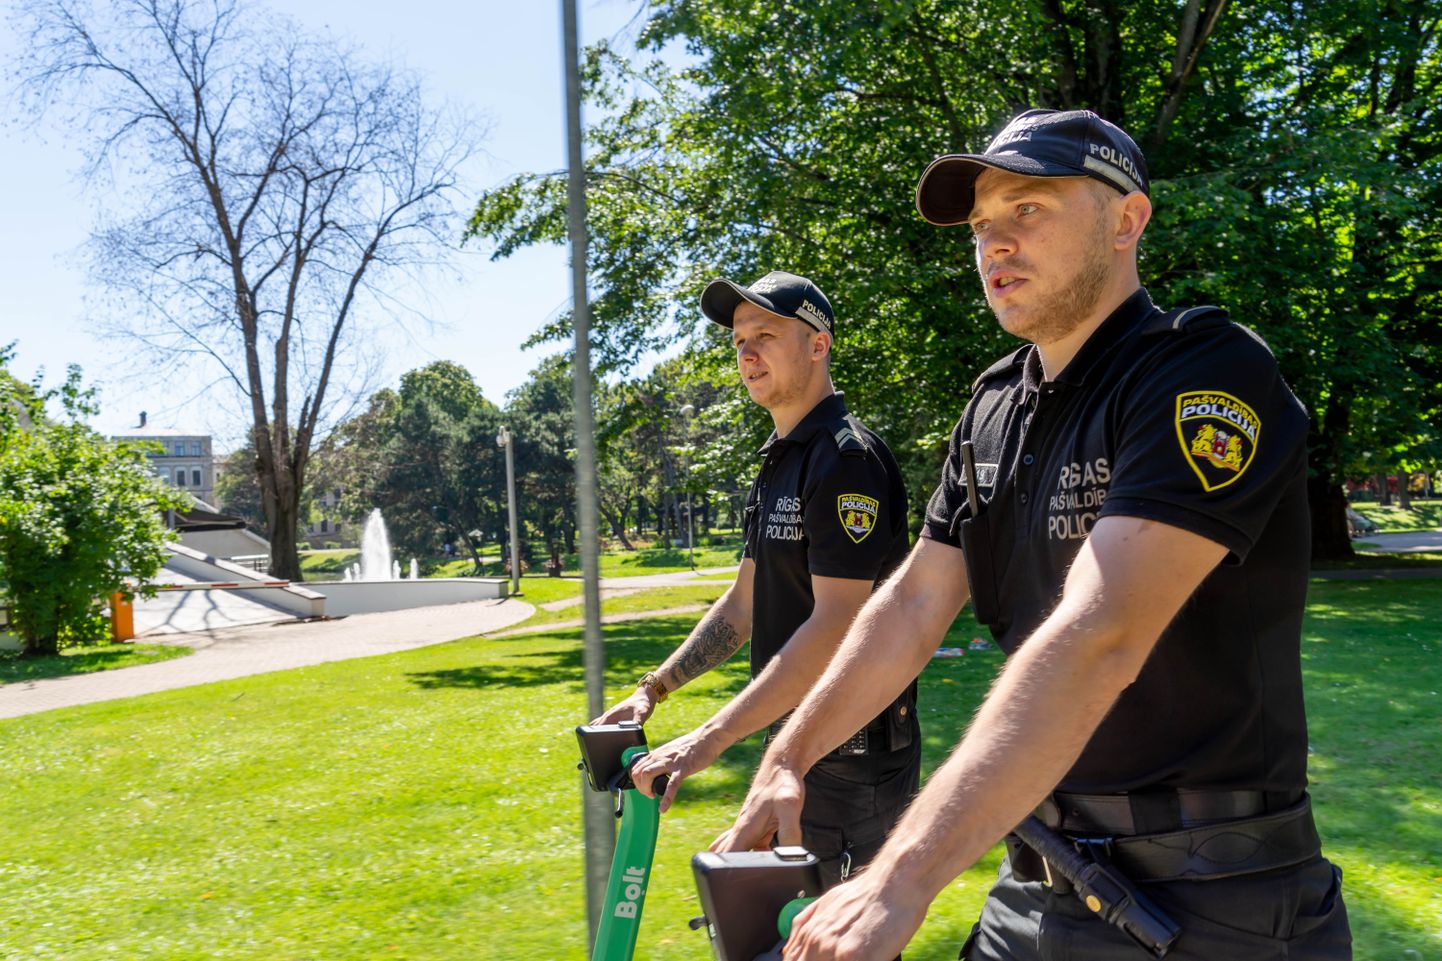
503,439
686,411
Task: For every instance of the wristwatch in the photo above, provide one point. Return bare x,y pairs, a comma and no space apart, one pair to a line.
657,686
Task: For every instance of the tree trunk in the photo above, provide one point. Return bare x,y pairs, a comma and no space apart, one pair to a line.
1384,489
41,646
1328,505
284,561
1404,495
618,526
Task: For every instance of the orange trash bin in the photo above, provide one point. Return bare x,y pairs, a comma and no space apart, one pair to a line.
122,617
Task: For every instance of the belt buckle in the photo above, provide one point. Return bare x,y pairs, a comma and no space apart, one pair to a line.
1100,849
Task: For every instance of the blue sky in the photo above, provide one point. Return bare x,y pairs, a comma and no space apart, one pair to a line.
501,58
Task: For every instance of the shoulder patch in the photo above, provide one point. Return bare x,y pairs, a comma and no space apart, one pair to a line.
1187,320
857,514
848,437
1014,359
1219,436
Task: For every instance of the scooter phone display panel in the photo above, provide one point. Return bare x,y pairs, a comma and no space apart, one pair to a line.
742,893
602,746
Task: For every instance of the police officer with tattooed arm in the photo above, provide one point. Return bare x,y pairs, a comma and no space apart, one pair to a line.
1124,503
825,523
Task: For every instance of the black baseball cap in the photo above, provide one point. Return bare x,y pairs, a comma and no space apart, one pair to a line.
779,292
1037,143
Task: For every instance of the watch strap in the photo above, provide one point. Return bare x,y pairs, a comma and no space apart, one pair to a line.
657,686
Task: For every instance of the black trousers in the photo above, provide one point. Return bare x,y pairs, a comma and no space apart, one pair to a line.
853,803
1290,914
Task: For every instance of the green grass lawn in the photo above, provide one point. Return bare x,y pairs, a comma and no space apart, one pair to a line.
326,565
1424,515
84,660
614,563
660,560
653,599
425,805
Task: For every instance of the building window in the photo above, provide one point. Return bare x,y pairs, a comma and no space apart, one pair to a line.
180,477
180,448
324,525
195,448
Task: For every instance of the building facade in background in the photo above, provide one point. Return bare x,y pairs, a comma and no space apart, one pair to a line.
185,460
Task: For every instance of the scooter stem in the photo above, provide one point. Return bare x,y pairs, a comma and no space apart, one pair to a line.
631,867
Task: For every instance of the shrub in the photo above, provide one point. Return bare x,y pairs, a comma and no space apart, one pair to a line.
81,518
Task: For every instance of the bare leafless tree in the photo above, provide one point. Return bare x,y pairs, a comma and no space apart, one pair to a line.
287,181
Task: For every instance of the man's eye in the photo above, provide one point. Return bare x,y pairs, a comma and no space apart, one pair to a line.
1026,208
978,227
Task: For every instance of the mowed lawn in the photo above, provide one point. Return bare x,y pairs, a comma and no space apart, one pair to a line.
426,805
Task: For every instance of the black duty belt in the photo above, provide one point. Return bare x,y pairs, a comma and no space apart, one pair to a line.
1153,812
871,739
1207,847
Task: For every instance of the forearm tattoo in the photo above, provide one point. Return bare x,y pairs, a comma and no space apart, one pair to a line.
713,640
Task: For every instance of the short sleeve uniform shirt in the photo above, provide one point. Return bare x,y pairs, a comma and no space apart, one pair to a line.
829,501
1181,418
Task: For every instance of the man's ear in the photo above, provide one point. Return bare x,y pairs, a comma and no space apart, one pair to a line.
820,345
1135,214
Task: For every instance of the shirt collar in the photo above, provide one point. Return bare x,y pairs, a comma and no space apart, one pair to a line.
1122,321
816,419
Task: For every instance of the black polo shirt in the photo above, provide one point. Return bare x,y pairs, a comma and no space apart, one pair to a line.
829,500
1182,418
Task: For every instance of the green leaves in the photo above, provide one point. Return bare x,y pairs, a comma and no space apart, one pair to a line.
80,519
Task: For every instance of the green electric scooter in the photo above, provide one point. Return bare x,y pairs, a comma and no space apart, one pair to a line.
750,898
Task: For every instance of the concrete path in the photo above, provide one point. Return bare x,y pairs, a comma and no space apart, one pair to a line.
188,612
1406,543
621,586
667,580
605,619
241,651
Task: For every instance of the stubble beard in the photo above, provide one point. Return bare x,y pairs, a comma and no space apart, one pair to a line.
1065,308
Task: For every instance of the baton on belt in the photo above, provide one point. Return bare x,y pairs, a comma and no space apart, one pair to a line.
1108,893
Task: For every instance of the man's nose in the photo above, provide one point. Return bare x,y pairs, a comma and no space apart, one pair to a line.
995,241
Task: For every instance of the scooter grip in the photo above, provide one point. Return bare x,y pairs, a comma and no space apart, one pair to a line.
658,786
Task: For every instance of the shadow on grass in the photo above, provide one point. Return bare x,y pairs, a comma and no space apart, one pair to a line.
1371,659
632,648
15,668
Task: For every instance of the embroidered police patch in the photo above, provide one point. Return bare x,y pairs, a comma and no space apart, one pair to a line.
1218,434
858,514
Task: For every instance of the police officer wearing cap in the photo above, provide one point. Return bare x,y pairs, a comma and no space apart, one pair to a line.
1124,503
825,523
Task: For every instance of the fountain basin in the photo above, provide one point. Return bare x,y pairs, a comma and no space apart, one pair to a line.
369,597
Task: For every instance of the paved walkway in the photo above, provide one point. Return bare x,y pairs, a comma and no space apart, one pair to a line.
1406,543
188,612
621,586
605,619
241,651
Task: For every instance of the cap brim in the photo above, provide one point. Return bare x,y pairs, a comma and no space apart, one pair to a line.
946,191
721,297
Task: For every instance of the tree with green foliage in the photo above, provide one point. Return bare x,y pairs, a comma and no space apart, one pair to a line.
426,456
81,518
538,414
1292,151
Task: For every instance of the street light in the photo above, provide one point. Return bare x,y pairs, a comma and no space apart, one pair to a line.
686,411
503,439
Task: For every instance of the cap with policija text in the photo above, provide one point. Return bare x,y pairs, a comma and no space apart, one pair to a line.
779,292
1037,143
